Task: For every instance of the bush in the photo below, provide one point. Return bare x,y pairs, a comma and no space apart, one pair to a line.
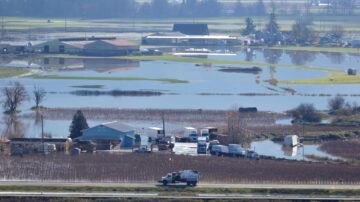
336,103
305,113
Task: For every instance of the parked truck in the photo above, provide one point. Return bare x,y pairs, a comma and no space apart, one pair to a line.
236,150
191,133
190,177
219,150
201,145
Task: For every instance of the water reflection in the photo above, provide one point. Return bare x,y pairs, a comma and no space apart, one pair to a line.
13,127
336,58
290,151
302,57
94,64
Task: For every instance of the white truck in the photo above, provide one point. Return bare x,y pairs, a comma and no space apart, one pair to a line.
190,177
205,133
236,150
201,145
191,133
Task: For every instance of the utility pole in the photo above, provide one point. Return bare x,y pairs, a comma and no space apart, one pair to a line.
65,24
2,27
42,133
163,120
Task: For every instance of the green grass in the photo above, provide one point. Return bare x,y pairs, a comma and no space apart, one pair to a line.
322,49
333,78
181,190
7,72
89,86
111,78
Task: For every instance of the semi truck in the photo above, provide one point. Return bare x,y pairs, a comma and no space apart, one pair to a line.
236,150
190,177
201,145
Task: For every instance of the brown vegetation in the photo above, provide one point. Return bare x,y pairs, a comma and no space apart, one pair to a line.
135,167
345,149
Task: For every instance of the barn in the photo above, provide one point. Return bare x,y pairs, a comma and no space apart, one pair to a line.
59,46
110,48
109,136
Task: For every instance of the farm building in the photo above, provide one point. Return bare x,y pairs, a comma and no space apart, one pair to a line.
58,46
86,46
191,29
110,136
110,47
291,140
177,39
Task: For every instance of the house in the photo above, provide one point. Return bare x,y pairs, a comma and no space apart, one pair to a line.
291,140
110,48
109,136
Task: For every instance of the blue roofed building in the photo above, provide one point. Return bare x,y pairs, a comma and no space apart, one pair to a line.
110,136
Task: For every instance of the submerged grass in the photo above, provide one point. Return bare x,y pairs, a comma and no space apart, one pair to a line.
333,78
89,86
201,61
321,49
7,72
111,78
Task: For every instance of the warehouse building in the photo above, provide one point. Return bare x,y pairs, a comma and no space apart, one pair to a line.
109,136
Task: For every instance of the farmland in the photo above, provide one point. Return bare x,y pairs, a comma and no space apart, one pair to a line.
103,167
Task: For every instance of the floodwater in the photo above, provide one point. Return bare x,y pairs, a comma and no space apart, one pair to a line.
208,88
270,148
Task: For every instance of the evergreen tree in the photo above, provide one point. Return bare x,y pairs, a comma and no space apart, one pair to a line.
239,9
260,8
77,125
272,27
250,27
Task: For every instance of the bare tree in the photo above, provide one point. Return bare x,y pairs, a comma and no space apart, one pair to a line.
15,94
39,95
337,32
237,127
336,103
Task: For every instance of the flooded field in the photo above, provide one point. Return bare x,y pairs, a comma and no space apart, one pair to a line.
203,86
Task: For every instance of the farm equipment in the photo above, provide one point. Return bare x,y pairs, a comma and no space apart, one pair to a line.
190,177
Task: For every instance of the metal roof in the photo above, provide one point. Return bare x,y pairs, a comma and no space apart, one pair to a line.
118,126
191,37
120,42
78,44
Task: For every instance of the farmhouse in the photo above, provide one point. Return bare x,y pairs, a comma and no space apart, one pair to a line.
109,136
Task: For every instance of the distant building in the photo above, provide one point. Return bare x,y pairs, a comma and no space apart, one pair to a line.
86,46
109,136
110,47
191,29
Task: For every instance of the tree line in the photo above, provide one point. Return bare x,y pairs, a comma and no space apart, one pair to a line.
120,8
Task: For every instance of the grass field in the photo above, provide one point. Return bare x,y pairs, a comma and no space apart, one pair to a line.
219,24
111,78
6,72
333,78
